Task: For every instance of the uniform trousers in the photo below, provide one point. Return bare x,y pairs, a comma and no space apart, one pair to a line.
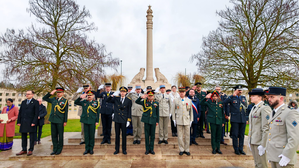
184,132
137,127
163,128
237,134
106,120
89,131
259,161
82,132
216,132
123,128
149,131
276,165
57,130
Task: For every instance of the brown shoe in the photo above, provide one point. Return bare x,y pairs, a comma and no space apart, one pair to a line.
21,153
29,153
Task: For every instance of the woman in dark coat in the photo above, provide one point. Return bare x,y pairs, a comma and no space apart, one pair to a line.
40,122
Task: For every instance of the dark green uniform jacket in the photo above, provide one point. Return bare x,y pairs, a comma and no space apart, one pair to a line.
215,112
150,111
59,109
90,111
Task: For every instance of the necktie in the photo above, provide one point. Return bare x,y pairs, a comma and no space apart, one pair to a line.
253,108
273,113
163,96
122,100
28,101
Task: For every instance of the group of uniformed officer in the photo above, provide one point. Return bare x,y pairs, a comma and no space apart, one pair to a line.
272,136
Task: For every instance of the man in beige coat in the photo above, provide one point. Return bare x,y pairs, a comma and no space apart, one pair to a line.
164,101
258,128
136,114
283,138
183,117
80,91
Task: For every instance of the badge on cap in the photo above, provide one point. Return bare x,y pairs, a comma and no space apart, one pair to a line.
294,123
267,117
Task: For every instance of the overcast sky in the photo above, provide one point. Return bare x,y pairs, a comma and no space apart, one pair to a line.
178,30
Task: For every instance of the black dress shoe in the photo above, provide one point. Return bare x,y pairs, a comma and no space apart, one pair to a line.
53,153
124,152
237,152
103,142
146,152
102,135
223,143
57,153
82,143
135,142
116,152
91,152
173,134
214,152
160,142
242,152
138,142
165,141
109,142
194,142
181,153
202,136
85,152
218,151
152,152
176,134
187,153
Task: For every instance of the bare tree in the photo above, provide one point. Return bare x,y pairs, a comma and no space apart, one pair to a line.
58,52
256,43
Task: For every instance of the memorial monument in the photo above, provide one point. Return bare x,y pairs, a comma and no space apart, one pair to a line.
149,80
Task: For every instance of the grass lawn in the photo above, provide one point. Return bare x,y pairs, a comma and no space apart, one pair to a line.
73,125
298,152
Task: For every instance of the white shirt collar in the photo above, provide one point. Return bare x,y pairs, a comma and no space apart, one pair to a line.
278,108
258,103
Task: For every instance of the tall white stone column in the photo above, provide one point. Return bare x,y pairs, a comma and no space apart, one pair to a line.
149,45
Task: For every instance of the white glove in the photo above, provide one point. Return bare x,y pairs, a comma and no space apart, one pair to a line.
157,89
128,123
249,145
101,87
190,123
284,160
112,116
116,93
80,90
174,123
261,150
169,115
133,90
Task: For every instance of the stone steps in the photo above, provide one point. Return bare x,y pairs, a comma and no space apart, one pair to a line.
168,153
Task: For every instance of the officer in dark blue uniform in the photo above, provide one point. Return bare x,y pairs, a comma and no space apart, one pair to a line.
238,105
106,112
122,117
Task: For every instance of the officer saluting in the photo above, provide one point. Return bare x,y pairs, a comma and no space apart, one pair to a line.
89,117
106,112
58,118
215,117
122,117
283,138
258,127
150,117
238,105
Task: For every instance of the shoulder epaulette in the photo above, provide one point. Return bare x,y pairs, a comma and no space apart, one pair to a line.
129,98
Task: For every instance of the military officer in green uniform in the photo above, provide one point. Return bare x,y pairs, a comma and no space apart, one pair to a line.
150,117
58,118
215,117
89,117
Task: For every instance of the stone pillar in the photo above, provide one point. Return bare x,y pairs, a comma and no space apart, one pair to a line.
149,45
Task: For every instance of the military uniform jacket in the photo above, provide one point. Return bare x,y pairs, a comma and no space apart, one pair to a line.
196,109
90,111
28,114
216,114
164,104
106,108
75,97
150,111
283,137
183,111
137,109
258,124
122,111
201,96
237,109
60,108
